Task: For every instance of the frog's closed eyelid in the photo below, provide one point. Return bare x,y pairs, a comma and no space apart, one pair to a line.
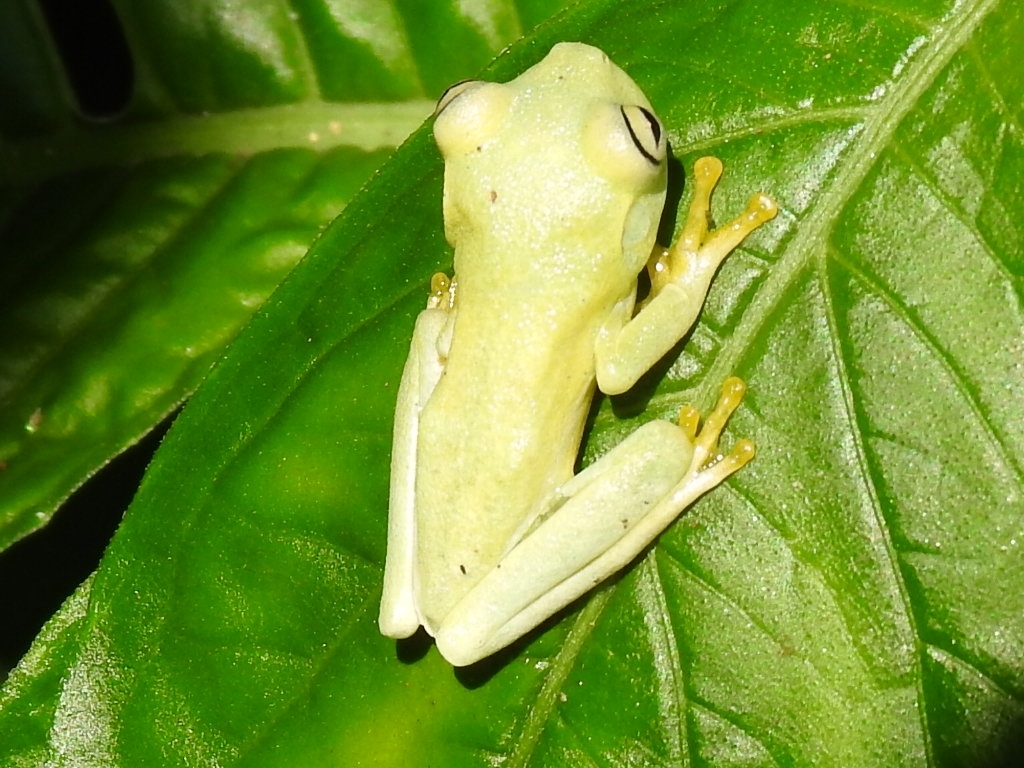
645,131
452,92
469,115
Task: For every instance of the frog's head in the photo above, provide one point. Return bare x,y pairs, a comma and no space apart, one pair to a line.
571,146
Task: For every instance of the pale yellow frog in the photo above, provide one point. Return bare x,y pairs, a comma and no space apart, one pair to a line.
554,185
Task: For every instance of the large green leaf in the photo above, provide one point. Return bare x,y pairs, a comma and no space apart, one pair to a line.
135,248
855,597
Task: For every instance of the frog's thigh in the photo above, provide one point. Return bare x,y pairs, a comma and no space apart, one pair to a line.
617,507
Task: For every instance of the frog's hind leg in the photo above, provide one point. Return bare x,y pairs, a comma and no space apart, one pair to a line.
611,512
428,351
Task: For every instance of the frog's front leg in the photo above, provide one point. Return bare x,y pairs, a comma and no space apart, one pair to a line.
680,279
600,521
431,340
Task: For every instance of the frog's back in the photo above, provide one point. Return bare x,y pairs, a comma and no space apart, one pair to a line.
498,434
554,185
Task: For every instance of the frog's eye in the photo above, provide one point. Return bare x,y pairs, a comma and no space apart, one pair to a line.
452,92
468,114
645,130
625,144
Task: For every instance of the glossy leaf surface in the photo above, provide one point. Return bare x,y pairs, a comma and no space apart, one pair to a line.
855,597
135,247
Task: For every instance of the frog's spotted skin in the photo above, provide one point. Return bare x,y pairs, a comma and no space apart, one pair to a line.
554,186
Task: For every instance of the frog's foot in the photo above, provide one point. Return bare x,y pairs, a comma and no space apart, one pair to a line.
697,254
443,290
708,468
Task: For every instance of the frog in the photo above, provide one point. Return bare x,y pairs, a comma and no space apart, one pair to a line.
554,187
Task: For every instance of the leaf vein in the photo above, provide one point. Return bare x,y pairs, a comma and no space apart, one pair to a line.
880,124
538,715
931,182
955,373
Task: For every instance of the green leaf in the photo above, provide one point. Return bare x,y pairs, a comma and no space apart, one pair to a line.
855,597
136,248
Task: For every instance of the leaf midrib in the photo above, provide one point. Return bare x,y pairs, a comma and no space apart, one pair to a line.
880,123
321,126
878,126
